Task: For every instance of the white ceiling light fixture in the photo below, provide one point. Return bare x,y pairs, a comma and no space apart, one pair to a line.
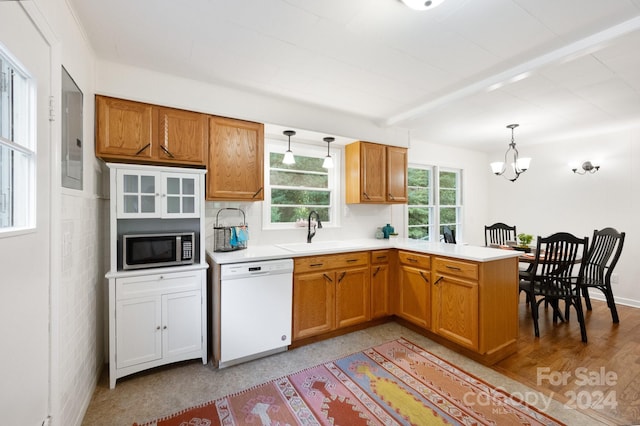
328,161
288,155
422,4
517,165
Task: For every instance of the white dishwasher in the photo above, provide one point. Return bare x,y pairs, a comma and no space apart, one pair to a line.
256,302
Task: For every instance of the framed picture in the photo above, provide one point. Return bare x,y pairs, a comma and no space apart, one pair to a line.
71,133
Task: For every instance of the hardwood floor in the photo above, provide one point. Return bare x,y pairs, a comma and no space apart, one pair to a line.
601,377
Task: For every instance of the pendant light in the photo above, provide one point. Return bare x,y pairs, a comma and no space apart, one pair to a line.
328,161
516,165
288,156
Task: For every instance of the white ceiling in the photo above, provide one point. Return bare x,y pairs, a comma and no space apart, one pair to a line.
456,74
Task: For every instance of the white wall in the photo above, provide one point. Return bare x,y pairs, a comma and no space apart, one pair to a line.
54,354
549,198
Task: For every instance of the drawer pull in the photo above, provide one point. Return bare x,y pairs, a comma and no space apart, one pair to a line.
411,259
376,272
327,277
315,265
453,268
381,257
438,280
424,277
351,260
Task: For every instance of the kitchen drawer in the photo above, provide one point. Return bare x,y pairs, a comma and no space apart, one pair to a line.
146,285
456,268
332,261
380,256
414,259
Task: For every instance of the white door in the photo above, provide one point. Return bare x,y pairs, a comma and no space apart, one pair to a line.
138,194
180,195
181,323
24,257
138,330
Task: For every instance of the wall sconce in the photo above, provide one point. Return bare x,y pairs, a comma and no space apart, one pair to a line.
517,165
328,161
288,155
587,167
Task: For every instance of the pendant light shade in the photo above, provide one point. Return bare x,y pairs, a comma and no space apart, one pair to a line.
288,155
328,161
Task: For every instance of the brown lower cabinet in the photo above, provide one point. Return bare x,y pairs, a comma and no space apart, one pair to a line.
467,305
330,292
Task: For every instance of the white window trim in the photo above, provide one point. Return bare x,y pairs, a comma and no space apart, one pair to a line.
434,226
458,206
272,145
28,148
432,207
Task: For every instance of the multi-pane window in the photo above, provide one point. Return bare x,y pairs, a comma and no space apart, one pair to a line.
295,190
17,155
449,200
420,205
434,202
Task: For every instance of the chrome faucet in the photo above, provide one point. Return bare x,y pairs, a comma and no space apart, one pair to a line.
309,234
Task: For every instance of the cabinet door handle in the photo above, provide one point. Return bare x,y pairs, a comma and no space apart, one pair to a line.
327,277
424,277
453,268
143,148
376,272
164,328
391,196
166,151
158,328
366,195
341,277
257,192
438,280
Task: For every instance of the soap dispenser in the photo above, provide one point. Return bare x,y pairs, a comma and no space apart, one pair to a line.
387,230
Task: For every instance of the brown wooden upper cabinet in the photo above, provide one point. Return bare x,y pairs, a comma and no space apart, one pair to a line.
236,160
143,133
375,173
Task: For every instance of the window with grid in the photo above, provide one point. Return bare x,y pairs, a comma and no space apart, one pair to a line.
17,141
449,200
433,202
420,205
295,190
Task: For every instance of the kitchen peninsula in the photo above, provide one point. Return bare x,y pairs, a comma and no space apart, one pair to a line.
464,297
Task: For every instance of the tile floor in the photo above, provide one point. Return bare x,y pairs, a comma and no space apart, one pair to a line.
152,394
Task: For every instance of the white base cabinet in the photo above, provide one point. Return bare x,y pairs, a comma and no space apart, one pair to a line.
156,319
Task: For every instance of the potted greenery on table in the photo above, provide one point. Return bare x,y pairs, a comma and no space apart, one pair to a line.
523,242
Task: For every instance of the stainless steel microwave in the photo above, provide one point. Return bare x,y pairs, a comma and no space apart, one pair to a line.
156,250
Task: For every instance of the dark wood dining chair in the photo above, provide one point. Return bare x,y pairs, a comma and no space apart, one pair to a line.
499,233
604,252
556,274
449,235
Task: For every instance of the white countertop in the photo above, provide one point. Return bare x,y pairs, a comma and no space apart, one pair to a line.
279,251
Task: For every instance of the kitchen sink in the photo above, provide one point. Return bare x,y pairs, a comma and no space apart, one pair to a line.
320,246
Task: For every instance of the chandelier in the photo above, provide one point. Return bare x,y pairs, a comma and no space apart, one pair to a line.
515,165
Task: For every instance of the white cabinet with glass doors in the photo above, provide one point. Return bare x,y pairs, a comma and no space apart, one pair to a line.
156,315
149,194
